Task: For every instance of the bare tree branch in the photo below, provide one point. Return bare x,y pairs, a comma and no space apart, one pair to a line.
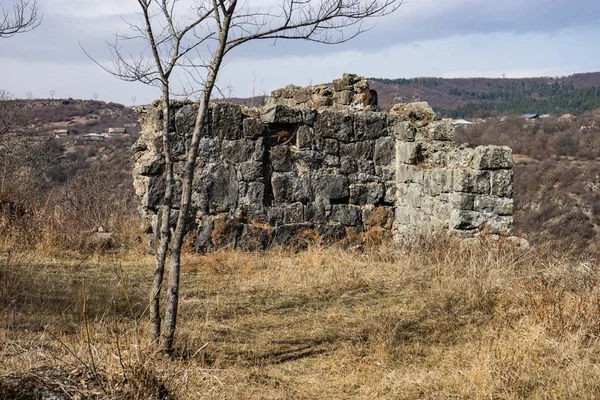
22,17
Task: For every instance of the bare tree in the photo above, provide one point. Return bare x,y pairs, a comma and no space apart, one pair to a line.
21,17
197,46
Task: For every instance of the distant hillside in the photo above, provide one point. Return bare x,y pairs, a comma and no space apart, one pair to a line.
481,97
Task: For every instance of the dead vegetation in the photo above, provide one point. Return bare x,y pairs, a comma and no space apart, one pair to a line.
430,319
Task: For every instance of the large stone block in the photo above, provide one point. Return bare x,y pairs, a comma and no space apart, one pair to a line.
237,151
370,193
305,137
459,201
315,213
494,204
408,152
401,129
466,220
420,114
369,125
471,181
251,170
492,157
289,188
280,114
330,186
502,183
500,225
335,125
347,215
358,150
385,151
227,121
215,189
293,214
441,130
253,128
155,166
281,159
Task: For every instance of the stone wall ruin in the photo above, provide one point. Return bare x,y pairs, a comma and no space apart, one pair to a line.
327,161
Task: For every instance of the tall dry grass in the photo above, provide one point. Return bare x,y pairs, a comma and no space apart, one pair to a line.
430,319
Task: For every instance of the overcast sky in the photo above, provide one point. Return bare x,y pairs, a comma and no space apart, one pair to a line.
447,38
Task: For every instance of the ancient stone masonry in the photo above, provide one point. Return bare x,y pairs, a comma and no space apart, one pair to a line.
266,175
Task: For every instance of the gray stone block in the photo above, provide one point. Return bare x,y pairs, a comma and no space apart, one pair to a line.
332,146
460,201
347,215
335,125
280,158
370,193
275,216
280,114
385,150
441,130
153,167
502,183
237,151
377,217
461,219
293,214
402,130
492,157
408,152
304,137
369,125
471,181
289,188
253,128
227,121
494,204
358,150
315,213
330,186
251,170
500,225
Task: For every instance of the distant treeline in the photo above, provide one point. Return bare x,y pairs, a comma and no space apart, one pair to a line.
480,97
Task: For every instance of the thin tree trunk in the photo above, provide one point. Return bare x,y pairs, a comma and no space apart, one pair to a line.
163,232
188,178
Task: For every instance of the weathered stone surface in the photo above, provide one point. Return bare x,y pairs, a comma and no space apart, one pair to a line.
227,121
377,217
369,125
216,189
287,188
251,170
370,193
304,137
348,215
281,159
330,186
287,172
153,167
315,213
492,157
253,128
420,114
385,150
237,151
401,129
279,114
461,219
358,150
285,234
494,205
471,181
293,214
408,152
335,125
441,130
502,183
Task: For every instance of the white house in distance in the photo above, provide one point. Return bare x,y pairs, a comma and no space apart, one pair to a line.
459,123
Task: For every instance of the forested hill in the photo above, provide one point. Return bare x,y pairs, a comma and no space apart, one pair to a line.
481,97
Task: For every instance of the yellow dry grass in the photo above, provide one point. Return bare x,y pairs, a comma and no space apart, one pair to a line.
435,319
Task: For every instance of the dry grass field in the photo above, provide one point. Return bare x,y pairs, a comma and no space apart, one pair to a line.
433,319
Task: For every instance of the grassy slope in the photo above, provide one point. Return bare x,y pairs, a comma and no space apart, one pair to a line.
435,320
